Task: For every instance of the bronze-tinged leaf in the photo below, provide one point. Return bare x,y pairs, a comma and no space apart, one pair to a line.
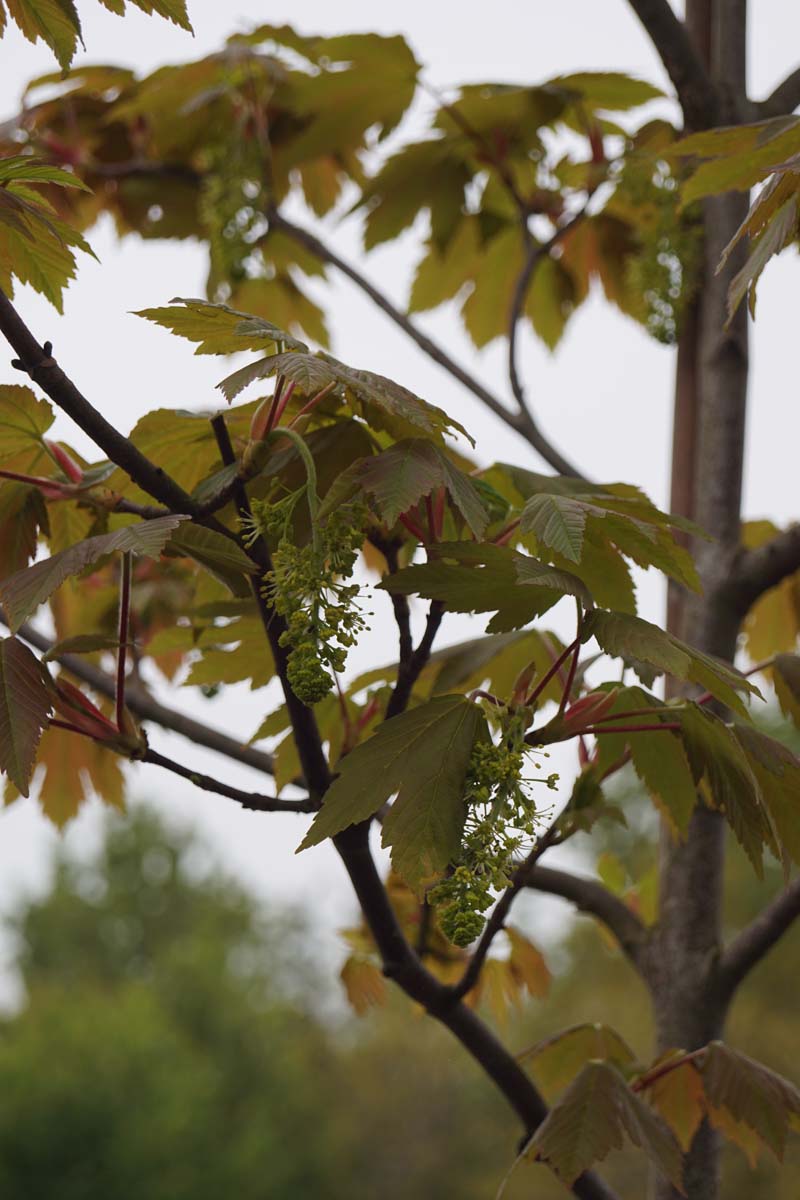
751,1093
401,476
528,963
786,678
772,626
25,703
556,1061
679,1098
24,591
593,1117
364,984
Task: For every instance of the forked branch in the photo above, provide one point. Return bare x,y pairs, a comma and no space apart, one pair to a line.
591,897
696,92
754,942
253,801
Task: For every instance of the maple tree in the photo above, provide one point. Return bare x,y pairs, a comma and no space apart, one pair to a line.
228,540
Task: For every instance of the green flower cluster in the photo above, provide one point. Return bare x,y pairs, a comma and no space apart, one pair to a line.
308,587
665,271
501,819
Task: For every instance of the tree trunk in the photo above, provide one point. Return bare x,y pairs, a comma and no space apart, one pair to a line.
688,1006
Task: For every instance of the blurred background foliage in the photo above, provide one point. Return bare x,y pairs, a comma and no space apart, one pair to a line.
177,1041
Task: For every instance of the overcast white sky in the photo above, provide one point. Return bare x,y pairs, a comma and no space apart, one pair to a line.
604,396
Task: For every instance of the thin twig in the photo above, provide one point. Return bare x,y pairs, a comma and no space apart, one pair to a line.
144,706
754,942
400,606
126,571
253,801
591,897
304,726
536,252
409,672
783,100
573,647
522,423
696,92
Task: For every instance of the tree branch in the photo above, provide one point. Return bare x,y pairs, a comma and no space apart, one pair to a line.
304,726
591,897
144,706
409,672
45,371
400,607
305,238
753,943
253,801
528,426
696,92
784,99
764,567
401,964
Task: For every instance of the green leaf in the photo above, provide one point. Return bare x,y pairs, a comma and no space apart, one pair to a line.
25,703
219,329
399,477
388,405
23,168
661,764
611,90
24,419
637,641
220,555
35,245
786,678
717,757
781,231
54,21
556,1061
752,1094
777,772
591,1119
558,522
517,587
81,643
171,10
422,755
309,372
24,591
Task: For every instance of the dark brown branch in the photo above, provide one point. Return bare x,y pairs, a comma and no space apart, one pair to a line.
753,943
304,726
403,966
45,371
126,575
144,706
499,914
402,613
696,92
783,100
764,567
408,672
537,251
253,801
305,238
591,897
